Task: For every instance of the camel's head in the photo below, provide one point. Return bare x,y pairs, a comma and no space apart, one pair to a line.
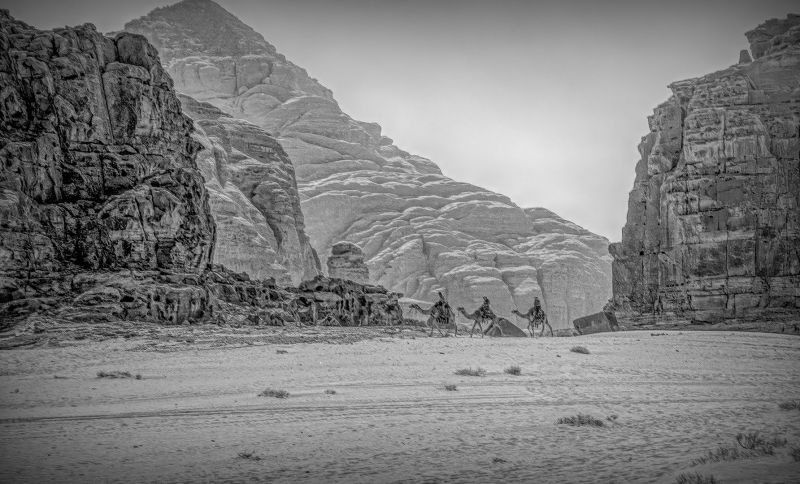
441,296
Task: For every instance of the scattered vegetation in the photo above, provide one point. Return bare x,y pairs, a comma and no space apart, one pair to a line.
790,405
116,374
695,478
659,334
250,455
513,370
281,352
750,445
138,376
271,392
498,460
581,420
795,453
612,418
579,349
330,392
450,387
470,372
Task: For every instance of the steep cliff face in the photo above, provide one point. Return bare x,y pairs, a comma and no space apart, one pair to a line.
97,169
254,198
713,228
420,231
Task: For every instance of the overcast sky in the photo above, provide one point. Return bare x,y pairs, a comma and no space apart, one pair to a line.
542,101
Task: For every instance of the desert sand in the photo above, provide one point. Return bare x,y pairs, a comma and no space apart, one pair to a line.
675,395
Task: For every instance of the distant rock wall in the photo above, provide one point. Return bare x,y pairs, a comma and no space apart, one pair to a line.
254,198
713,228
421,232
97,168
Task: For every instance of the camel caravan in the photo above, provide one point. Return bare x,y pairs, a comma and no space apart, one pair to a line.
441,315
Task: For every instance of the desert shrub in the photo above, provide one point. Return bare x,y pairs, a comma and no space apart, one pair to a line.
249,455
750,445
271,392
790,405
281,352
579,349
695,478
513,370
795,453
581,420
499,460
114,374
450,387
470,372
330,392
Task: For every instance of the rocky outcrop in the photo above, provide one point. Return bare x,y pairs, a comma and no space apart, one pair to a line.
420,231
713,224
253,198
347,262
97,170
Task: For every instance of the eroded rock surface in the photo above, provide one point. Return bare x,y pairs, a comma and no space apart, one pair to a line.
713,226
420,231
347,262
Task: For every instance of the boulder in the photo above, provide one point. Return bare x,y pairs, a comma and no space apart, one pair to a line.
347,262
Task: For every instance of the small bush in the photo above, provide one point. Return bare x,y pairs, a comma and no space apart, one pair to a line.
271,392
695,478
498,460
249,455
579,349
470,372
581,420
790,405
513,370
281,352
330,392
138,376
795,453
749,445
114,374
450,387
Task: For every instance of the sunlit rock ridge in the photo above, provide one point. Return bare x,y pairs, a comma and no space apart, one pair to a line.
713,229
420,231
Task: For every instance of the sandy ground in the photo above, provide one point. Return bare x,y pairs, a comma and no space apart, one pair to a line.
676,396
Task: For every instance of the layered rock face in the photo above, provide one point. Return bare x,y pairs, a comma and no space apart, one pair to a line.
713,226
420,231
97,170
253,198
347,262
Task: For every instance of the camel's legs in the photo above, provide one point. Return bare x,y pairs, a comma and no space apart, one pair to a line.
548,326
530,329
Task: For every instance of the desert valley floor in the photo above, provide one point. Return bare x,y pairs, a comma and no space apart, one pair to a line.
675,395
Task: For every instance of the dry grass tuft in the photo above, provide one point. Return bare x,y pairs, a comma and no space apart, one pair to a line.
281,352
750,445
579,349
271,392
581,420
795,453
470,372
330,392
513,370
450,387
695,478
116,374
790,405
250,455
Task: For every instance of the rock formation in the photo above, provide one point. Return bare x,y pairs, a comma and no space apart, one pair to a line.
420,231
253,198
104,214
713,228
347,262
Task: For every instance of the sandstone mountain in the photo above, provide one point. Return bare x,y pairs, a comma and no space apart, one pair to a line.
420,231
104,213
713,228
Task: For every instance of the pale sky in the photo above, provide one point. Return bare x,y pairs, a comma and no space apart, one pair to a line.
544,102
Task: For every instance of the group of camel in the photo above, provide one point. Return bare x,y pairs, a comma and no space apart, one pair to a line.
442,314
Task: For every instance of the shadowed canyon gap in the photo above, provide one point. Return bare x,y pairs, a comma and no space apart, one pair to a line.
420,231
713,230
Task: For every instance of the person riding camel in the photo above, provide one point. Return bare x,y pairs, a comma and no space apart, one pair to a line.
442,311
486,313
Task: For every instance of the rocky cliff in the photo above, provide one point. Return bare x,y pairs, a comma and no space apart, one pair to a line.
104,213
713,228
420,231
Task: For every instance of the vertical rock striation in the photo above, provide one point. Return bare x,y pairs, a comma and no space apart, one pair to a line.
420,231
713,227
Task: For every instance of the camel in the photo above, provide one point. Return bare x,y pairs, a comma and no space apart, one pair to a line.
477,318
534,320
434,317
